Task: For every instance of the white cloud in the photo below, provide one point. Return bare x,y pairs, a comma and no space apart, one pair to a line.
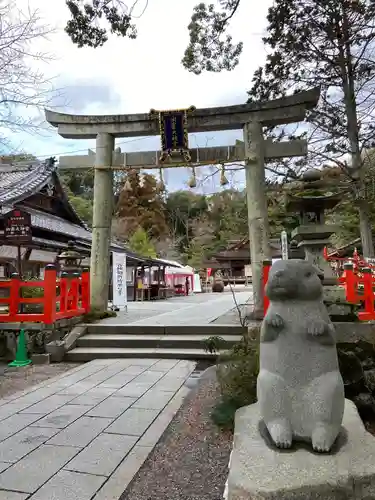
133,76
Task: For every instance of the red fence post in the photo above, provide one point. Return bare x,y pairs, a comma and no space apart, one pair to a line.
266,271
74,286
49,301
63,293
369,312
350,282
85,289
14,299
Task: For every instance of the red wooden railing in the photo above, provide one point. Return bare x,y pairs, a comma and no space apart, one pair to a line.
64,297
359,288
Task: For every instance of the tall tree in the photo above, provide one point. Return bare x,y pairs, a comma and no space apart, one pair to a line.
79,187
183,208
22,86
210,47
330,44
141,204
140,243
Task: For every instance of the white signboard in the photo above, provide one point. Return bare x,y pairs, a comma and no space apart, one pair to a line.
284,245
119,281
248,271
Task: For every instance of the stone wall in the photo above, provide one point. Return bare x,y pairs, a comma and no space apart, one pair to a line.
37,336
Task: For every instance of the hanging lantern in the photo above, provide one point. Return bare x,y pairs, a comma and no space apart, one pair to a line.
193,179
223,180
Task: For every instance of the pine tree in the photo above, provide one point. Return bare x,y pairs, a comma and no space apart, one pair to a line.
330,44
140,243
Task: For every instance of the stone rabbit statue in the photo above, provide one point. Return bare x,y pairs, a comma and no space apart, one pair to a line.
300,389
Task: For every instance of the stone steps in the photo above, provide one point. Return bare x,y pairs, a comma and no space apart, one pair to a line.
140,341
83,354
149,341
134,329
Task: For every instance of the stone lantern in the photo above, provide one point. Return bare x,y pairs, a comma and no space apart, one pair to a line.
70,261
311,197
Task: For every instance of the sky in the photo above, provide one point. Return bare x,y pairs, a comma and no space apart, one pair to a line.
133,76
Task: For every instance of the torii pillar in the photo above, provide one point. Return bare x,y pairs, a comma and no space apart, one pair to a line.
101,222
257,212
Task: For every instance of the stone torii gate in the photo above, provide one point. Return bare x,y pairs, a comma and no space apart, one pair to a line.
254,151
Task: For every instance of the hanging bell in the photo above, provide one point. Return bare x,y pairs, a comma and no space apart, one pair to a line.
223,180
193,179
127,186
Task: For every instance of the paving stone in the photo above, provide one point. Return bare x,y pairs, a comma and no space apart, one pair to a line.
153,400
182,369
118,380
93,396
135,369
76,389
169,383
3,466
9,409
20,444
148,377
133,422
12,495
112,407
94,461
62,417
49,404
133,390
68,485
120,479
142,362
156,429
35,396
35,469
104,375
15,423
80,432
164,364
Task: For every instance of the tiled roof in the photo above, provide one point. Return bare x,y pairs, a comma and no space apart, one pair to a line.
17,183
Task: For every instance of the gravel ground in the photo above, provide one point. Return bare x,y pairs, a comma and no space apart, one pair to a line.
190,462
18,379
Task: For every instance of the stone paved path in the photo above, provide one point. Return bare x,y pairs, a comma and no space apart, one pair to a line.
84,434
199,309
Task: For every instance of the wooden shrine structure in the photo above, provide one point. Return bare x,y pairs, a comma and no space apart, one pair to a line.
35,187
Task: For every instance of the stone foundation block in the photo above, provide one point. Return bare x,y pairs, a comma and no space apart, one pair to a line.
40,359
259,472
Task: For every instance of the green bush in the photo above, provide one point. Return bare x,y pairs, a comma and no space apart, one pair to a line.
237,372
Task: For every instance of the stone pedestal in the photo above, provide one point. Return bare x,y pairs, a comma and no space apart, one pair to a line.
257,471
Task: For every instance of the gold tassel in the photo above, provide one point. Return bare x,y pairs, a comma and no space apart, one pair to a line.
193,180
223,180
